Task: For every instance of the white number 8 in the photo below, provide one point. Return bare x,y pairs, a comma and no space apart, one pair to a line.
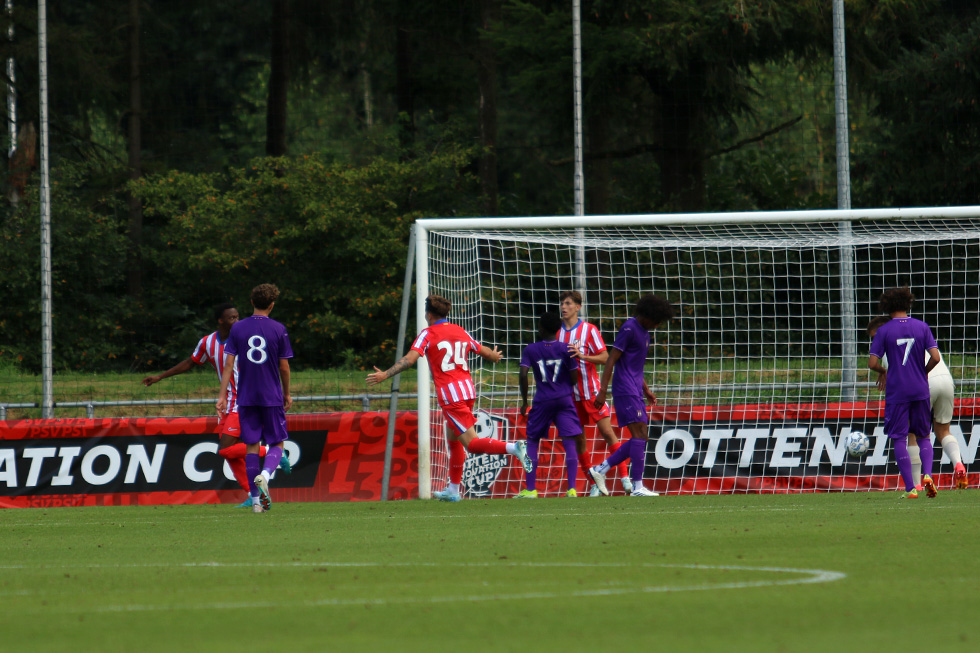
256,344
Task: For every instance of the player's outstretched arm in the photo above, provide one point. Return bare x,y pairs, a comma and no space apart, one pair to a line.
493,355
403,364
183,366
607,372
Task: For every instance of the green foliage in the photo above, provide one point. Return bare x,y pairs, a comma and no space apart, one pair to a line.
331,236
88,245
928,150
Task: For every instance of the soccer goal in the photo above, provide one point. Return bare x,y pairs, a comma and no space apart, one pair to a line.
763,371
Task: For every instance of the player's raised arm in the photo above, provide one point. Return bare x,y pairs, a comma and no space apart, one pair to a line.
405,362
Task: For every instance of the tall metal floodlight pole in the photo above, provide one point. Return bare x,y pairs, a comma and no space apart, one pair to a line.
47,367
847,299
11,90
579,173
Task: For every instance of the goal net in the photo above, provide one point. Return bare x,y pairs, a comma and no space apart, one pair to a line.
763,371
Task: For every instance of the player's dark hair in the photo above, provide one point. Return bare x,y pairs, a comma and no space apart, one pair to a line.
219,310
548,324
264,295
877,322
896,299
437,305
574,294
654,308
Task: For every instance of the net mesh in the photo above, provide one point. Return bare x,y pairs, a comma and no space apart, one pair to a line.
765,320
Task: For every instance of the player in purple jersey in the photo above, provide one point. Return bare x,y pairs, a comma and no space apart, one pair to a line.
627,357
261,346
555,374
905,341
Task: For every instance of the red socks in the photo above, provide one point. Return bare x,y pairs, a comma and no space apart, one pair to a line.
487,445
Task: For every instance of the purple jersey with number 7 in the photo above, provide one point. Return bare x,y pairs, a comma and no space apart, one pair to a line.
259,342
904,340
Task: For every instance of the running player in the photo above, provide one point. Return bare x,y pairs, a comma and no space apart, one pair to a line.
262,345
585,342
445,347
211,349
941,393
555,374
629,388
906,341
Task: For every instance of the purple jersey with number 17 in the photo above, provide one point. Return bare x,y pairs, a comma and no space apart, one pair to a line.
904,340
259,342
550,362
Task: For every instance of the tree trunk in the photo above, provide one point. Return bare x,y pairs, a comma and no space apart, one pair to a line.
276,110
598,176
134,264
682,158
403,75
487,78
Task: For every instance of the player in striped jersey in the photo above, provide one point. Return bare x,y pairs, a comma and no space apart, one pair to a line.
585,343
445,346
211,349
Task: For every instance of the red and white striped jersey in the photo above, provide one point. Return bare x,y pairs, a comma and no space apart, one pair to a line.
211,349
590,341
445,347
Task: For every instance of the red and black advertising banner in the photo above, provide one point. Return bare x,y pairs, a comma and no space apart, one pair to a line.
340,456
760,448
145,461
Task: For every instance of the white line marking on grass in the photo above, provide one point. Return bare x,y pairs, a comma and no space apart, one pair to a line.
808,576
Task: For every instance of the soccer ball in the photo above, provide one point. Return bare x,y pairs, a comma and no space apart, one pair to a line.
857,444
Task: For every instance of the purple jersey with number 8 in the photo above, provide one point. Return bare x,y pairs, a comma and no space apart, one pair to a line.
259,342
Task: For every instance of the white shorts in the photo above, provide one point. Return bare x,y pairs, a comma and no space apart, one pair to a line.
941,391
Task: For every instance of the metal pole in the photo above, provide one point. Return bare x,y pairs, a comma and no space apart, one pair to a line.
847,299
579,156
577,86
47,367
424,398
11,90
399,347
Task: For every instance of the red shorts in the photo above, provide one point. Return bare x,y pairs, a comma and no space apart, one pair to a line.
459,415
588,413
228,425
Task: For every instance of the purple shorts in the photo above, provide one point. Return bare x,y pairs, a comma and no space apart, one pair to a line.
560,412
262,424
908,416
630,409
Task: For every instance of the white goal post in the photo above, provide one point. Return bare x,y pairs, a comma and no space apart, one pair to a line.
762,372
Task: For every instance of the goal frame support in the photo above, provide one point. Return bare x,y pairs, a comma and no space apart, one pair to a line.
425,225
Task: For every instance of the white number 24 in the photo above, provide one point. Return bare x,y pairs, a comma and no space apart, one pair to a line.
455,354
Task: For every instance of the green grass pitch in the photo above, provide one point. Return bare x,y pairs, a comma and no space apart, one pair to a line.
811,572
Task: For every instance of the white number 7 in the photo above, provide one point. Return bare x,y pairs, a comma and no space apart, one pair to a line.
908,342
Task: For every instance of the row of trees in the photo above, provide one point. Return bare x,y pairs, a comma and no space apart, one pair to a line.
200,148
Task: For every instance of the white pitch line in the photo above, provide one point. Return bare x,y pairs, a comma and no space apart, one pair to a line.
809,576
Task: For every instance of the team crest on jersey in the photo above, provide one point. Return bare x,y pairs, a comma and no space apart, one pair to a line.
481,471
